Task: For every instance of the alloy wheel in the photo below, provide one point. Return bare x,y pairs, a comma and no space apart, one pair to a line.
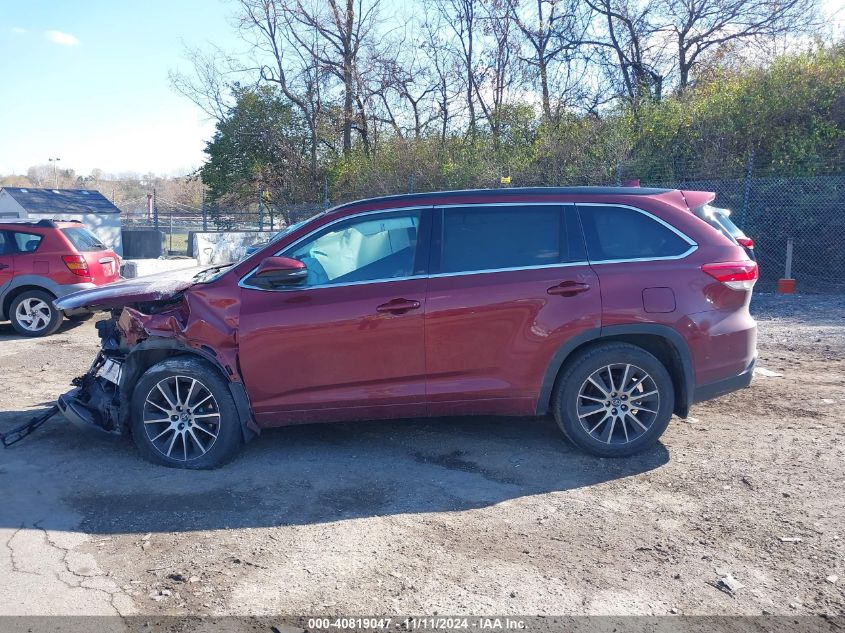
618,403
33,314
181,418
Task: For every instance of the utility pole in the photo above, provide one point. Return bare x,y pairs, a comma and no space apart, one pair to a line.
155,210
55,162
204,212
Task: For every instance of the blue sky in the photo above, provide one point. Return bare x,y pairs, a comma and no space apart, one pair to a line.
87,82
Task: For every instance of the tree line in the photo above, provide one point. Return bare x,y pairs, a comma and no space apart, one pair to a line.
326,91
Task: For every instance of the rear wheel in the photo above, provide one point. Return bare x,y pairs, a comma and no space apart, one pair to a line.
614,400
183,415
32,313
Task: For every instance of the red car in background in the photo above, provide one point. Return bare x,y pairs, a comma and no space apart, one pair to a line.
43,260
609,308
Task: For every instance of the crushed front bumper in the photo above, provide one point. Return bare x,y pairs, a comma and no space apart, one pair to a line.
94,405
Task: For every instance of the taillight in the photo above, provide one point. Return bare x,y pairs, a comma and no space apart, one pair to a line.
77,265
747,242
736,275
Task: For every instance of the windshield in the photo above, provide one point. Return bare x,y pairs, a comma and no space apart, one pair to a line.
286,230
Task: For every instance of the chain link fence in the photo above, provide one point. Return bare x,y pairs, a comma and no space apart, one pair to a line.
178,222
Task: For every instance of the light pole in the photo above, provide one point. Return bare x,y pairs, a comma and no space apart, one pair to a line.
55,161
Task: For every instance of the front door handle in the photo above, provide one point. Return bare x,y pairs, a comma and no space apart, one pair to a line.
568,288
2,266
398,306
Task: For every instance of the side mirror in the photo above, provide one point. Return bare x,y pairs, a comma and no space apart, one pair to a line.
278,272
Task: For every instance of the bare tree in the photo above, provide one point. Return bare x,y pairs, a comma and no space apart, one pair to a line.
497,74
281,60
629,32
334,33
210,84
553,31
699,27
447,76
463,18
408,84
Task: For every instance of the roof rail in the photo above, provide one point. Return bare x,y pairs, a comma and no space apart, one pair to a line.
25,221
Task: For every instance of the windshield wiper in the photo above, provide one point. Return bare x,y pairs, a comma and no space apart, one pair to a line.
201,275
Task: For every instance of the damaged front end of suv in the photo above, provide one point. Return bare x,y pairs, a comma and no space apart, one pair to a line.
176,317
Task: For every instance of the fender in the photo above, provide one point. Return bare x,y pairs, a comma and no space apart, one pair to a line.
134,367
687,388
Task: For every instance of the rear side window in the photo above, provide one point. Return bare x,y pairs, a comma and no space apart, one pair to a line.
720,220
5,244
26,242
490,238
83,240
622,233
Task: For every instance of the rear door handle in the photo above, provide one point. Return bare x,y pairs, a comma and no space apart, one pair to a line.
2,266
398,306
568,288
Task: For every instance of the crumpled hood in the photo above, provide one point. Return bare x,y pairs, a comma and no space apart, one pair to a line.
132,291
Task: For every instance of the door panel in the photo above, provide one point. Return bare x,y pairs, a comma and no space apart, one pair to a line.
330,354
349,343
490,335
7,270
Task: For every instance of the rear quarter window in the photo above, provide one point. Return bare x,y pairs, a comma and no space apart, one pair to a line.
83,240
27,242
615,233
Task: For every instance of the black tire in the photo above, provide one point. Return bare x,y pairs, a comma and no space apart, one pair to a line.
78,317
603,422
47,314
185,449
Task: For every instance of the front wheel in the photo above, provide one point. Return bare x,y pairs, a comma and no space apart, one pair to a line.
614,400
183,415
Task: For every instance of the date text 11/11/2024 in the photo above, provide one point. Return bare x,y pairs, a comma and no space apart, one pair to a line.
418,623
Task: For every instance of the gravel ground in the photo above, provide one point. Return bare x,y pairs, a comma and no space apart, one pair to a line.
457,516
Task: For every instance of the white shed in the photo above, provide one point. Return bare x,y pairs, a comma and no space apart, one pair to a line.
90,207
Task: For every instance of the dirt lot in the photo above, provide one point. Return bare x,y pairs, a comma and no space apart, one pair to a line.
450,516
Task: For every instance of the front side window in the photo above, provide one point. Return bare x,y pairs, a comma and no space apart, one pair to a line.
492,238
368,248
614,233
26,242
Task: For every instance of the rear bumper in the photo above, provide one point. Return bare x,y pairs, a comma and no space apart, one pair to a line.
61,291
726,385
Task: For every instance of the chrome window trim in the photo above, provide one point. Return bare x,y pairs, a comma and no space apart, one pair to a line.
686,253
242,281
504,204
693,245
505,270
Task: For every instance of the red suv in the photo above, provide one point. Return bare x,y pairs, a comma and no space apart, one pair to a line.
610,308
41,260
